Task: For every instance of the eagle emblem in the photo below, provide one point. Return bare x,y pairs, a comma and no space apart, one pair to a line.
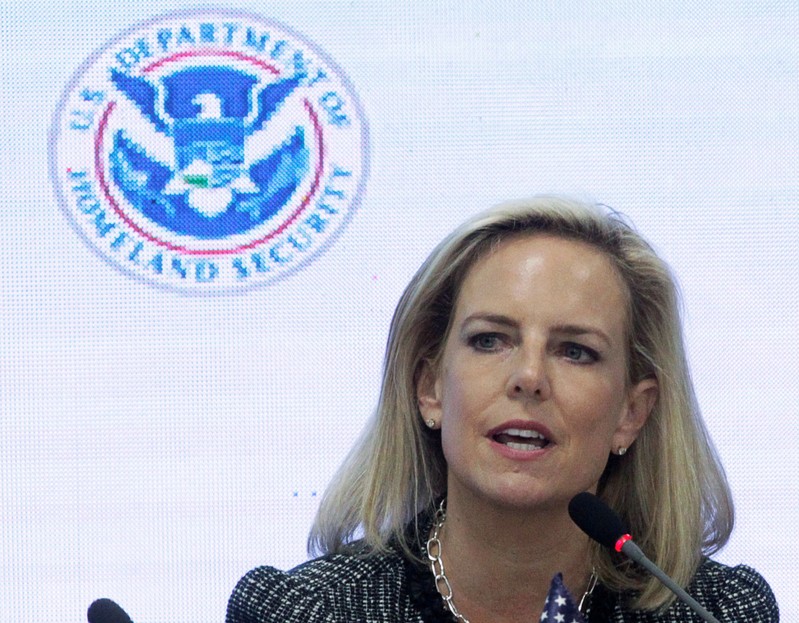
211,188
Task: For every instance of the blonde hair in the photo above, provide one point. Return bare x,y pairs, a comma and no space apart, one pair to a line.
669,487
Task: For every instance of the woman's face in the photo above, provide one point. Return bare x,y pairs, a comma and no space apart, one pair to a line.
531,393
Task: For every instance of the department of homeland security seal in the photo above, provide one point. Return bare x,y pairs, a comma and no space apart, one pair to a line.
209,151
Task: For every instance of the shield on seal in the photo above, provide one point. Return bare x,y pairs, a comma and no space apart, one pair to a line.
209,106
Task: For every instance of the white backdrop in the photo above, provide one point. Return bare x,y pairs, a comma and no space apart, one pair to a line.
154,446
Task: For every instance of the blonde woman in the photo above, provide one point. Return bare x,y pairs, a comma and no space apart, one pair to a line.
536,354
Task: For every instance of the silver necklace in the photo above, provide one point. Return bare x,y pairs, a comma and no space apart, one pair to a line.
434,551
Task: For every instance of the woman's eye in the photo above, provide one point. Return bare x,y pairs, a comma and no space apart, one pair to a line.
580,354
485,341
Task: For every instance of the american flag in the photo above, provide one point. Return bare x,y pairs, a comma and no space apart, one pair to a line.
559,606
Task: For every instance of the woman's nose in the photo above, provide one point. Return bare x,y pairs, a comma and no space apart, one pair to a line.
529,378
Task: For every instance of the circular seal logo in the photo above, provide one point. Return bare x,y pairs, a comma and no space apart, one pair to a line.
209,151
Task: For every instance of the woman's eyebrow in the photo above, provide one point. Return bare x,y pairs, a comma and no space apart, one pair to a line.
579,330
574,330
492,318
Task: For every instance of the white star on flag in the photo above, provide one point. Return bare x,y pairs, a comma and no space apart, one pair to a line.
559,606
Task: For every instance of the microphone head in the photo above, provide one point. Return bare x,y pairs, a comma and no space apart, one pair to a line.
596,519
107,611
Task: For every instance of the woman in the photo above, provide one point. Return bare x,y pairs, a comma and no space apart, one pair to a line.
537,353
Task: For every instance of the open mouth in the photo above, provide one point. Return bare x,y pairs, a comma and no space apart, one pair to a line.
521,439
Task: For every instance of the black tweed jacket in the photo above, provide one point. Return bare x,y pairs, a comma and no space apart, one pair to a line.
392,589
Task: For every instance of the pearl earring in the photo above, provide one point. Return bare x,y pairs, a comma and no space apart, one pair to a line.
622,451
431,423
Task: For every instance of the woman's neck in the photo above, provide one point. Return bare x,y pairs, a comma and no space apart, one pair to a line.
500,561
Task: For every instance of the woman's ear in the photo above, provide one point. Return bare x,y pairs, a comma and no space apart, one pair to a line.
427,394
641,399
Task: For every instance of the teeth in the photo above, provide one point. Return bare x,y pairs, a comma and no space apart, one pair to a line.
526,434
522,446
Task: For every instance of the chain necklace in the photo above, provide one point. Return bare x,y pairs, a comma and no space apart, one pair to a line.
434,551
437,564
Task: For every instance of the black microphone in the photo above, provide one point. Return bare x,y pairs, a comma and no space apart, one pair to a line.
107,611
598,521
